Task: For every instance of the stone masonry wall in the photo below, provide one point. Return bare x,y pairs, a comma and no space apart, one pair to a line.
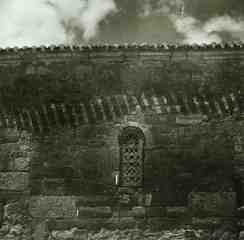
62,110
17,149
44,186
75,74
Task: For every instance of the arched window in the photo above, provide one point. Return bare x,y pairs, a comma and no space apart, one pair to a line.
131,141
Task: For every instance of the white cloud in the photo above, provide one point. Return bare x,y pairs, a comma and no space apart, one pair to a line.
195,31
226,24
38,22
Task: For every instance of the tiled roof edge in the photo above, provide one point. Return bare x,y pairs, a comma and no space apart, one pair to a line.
133,46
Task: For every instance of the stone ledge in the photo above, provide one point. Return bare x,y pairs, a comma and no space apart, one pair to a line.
17,181
53,206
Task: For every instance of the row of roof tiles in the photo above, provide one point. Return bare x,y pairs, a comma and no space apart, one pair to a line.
113,108
133,46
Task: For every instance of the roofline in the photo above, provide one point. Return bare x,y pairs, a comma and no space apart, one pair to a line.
126,46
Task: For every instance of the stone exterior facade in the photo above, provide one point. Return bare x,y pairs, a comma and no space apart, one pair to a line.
60,152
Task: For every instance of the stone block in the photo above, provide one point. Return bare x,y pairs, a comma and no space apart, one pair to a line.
1,213
121,223
50,186
68,223
102,212
13,208
189,120
8,135
8,152
241,224
95,200
216,204
156,212
122,212
139,212
239,157
208,221
80,234
92,223
53,206
65,235
241,235
159,223
17,181
21,164
179,211
40,231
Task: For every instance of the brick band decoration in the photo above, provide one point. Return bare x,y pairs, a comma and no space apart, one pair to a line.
100,109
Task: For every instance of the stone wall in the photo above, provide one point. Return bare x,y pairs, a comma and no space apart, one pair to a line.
59,158
17,150
74,74
65,177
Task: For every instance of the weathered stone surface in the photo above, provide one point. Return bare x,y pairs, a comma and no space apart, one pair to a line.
4,229
8,152
13,208
8,135
132,234
208,221
16,230
156,211
64,235
18,181
53,206
189,120
81,234
121,223
122,212
102,212
139,212
1,213
157,223
212,204
225,232
50,186
239,157
176,211
241,235
94,200
40,231
16,222
92,223
22,164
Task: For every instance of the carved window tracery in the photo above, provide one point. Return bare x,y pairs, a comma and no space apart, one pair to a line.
131,142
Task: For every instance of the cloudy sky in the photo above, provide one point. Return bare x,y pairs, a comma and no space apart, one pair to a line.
45,22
